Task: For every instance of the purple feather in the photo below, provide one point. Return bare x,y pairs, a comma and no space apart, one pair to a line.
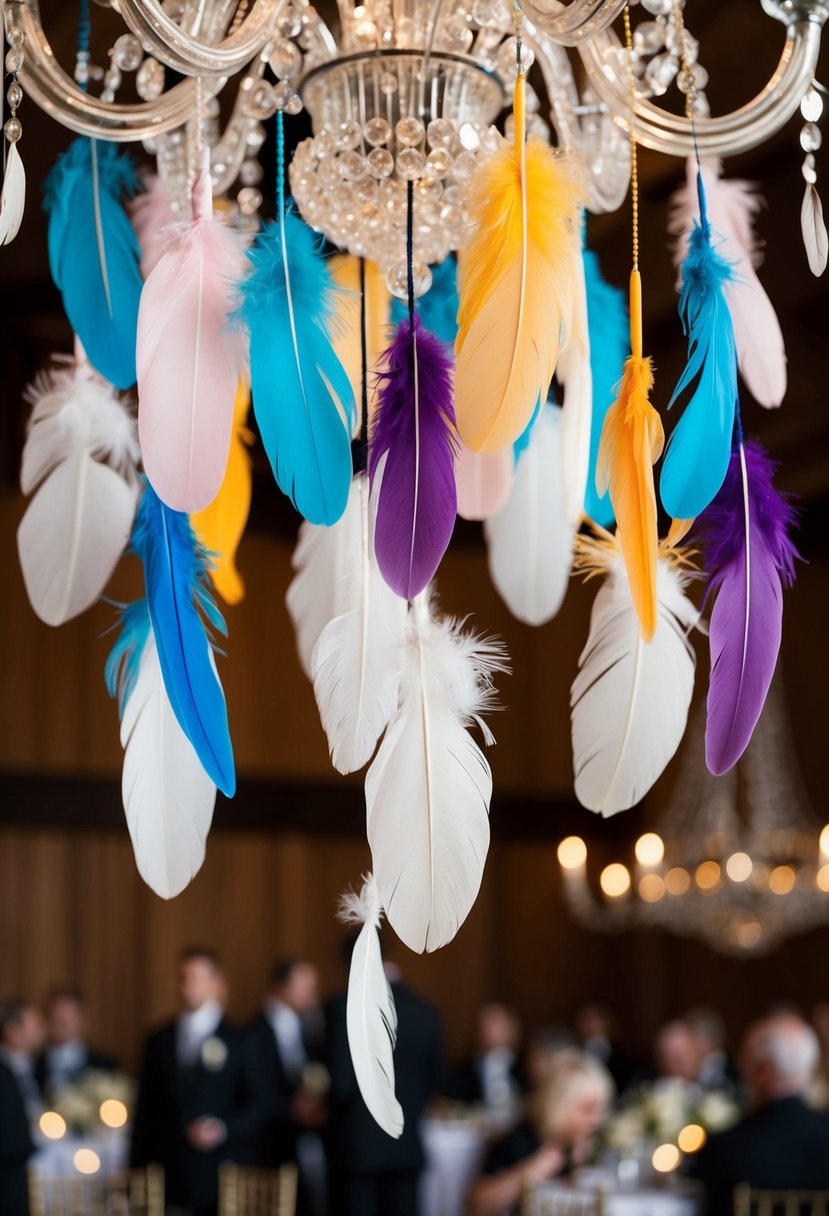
412,457
749,561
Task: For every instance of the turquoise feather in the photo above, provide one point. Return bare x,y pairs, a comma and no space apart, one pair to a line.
607,322
178,598
699,449
124,660
302,399
438,308
94,254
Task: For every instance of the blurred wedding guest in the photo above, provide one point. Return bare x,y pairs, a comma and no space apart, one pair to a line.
715,1070
563,1115
21,1039
598,1034
284,1039
16,1147
494,1076
202,1097
372,1174
543,1047
781,1143
678,1053
67,1056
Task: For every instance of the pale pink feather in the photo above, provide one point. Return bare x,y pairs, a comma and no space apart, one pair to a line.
732,207
484,481
152,218
189,359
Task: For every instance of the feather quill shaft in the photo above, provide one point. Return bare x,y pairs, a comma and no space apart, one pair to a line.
749,558
516,285
371,1017
411,460
698,450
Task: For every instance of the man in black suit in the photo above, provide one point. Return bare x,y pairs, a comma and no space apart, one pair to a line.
372,1174
201,1098
287,1047
21,1039
494,1077
67,1057
15,1147
781,1144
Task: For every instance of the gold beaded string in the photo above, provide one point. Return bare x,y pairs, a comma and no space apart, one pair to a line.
634,156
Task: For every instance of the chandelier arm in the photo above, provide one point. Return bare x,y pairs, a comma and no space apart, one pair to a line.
572,24
727,134
191,56
59,96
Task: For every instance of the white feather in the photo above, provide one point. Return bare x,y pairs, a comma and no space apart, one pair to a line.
168,798
529,541
732,206
322,559
371,1018
428,789
357,659
12,196
72,409
814,230
576,379
629,702
72,535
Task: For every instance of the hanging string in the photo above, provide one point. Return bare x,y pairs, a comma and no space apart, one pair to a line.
280,166
82,53
410,251
361,453
634,154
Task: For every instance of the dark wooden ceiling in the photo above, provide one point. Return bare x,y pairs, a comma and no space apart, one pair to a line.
740,46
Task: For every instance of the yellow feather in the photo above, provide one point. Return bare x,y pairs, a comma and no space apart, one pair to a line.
631,443
219,527
516,283
345,270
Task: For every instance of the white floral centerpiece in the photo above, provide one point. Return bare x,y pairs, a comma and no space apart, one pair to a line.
80,1104
656,1114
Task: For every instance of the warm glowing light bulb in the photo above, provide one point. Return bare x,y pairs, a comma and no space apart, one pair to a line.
615,880
649,849
691,1138
651,888
782,880
707,875
86,1161
52,1125
113,1113
824,841
572,853
748,934
822,878
677,881
739,867
665,1158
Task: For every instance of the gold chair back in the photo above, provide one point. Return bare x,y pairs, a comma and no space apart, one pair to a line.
749,1201
132,1193
244,1191
558,1201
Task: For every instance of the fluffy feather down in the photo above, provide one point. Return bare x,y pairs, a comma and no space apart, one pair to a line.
152,218
629,702
429,786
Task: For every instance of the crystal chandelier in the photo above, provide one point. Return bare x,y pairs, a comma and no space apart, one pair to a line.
739,861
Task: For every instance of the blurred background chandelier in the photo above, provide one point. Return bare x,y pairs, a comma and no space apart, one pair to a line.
739,861
404,90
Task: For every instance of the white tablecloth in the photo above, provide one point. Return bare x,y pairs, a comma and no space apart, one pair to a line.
454,1152
55,1158
676,1201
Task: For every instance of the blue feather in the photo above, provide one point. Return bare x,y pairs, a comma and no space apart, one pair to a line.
175,577
94,254
607,323
297,380
438,308
121,670
699,449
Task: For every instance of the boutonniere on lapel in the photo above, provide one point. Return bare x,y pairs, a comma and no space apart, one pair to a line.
214,1053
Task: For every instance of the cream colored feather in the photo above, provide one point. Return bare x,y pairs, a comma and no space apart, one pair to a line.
428,788
371,1018
516,285
629,702
357,659
577,405
12,196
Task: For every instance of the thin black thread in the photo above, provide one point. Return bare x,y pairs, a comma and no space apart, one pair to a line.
410,251
362,453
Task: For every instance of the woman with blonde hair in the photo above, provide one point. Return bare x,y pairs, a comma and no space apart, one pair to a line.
564,1112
